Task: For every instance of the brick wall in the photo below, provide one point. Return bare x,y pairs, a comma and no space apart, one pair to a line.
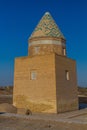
45,49
66,90
40,94
50,92
46,45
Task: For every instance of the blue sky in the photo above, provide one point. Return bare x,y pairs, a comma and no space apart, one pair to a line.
18,19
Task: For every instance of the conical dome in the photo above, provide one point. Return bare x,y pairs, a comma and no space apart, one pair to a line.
47,27
47,38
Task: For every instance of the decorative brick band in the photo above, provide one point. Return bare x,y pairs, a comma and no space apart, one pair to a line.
54,42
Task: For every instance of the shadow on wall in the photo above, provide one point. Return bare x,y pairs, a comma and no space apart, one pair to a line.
2,112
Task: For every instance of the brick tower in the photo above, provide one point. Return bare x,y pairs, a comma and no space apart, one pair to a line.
45,80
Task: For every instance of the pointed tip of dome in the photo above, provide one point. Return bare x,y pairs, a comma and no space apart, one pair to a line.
47,13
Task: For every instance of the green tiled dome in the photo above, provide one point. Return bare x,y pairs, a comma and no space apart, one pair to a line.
47,27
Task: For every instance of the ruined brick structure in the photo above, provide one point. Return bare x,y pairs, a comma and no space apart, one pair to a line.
45,80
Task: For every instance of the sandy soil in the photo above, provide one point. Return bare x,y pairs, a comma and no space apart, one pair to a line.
14,123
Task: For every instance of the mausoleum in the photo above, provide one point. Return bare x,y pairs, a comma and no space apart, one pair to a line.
45,80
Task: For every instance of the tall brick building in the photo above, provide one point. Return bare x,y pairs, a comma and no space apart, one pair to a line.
45,80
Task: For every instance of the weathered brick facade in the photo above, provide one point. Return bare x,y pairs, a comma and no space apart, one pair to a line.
46,45
45,81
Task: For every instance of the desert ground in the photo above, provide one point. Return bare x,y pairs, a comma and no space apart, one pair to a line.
68,121
76,120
